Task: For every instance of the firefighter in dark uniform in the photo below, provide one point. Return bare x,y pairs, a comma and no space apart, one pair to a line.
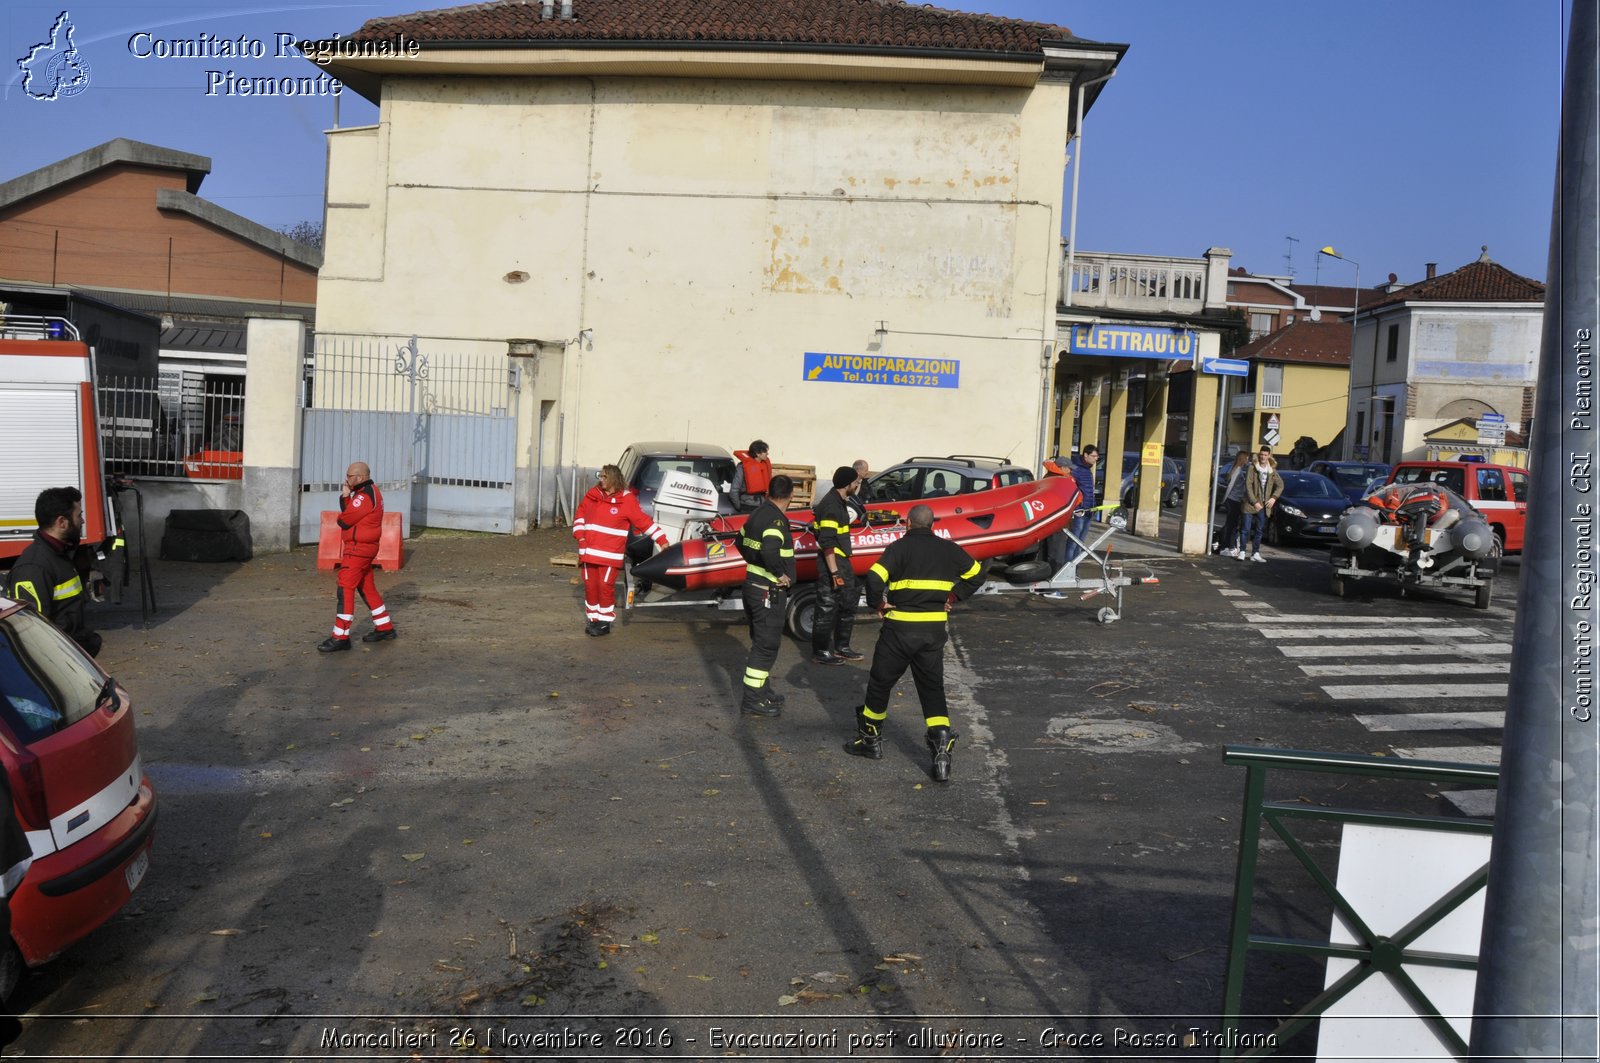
912,586
834,620
47,575
767,547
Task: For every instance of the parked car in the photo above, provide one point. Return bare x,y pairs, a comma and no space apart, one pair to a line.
958,474
1499,492
1171,480
1351,476
1309,508
643,465
67,746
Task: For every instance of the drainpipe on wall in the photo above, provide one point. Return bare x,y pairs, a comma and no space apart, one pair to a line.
1077,168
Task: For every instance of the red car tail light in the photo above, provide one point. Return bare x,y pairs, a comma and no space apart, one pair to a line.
29,797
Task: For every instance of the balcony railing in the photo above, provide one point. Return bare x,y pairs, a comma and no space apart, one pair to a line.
1134,282
1270,400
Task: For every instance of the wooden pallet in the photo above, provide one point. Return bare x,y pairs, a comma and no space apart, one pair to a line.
805,483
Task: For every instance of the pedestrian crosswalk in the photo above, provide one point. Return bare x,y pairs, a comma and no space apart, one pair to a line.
1433,687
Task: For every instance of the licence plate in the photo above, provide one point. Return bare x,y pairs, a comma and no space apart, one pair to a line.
1325,529
134,872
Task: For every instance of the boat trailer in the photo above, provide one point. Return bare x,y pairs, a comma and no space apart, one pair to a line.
1110,579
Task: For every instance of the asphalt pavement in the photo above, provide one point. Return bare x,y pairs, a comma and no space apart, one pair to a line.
496,837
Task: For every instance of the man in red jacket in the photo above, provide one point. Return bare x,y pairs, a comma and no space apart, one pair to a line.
361,523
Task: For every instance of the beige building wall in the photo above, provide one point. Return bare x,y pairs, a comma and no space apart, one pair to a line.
1315,401
702,236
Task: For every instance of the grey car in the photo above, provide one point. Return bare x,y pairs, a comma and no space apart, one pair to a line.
957,474
644,465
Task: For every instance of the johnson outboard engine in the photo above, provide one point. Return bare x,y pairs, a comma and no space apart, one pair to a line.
684,501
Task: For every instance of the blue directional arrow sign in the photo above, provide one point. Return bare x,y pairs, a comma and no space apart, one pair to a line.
1225,366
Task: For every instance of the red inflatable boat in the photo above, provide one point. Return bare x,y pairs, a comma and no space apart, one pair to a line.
998,523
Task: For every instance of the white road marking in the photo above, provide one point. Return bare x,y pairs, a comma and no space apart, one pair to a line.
1378,669
1407,649
1434,721
1349,633
1365,646
1403,691
970,719
1316,618
1236,594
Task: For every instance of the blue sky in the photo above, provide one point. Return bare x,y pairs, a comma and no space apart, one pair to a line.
1400,131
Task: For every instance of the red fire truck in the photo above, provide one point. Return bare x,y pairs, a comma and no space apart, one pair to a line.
47,403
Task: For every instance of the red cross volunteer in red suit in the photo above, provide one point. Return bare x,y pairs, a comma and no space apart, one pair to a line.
361,525
606,513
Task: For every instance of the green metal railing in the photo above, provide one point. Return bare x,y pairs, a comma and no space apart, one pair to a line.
1384,954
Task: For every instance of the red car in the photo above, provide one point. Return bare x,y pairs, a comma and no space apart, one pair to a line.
68,749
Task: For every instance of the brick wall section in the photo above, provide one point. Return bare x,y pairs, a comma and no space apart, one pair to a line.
112,236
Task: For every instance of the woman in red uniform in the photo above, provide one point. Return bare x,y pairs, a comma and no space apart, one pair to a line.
606,513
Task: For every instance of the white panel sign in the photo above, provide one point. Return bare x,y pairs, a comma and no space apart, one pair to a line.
1391,875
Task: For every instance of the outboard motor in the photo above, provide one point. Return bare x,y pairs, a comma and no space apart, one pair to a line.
1357,528
1474,538
684,498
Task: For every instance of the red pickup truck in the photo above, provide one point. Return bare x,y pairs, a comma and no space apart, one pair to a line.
1499,492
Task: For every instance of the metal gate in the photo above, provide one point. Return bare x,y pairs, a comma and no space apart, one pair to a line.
438,430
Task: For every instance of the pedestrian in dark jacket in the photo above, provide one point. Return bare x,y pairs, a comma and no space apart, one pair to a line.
1083,465
1232,502
46,576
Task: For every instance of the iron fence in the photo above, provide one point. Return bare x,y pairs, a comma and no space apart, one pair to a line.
184,425
436,427
1397,955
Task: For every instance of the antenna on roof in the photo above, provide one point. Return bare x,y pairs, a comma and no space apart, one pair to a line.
1288,257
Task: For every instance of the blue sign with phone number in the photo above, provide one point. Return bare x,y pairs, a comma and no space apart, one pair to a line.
883,369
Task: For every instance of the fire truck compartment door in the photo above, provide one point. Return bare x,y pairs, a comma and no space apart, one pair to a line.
43,426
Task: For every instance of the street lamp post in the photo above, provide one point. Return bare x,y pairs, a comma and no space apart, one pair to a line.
1372,385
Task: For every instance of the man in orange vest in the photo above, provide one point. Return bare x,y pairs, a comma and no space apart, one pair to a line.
752,478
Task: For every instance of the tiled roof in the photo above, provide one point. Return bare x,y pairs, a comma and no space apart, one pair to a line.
871,24
1483,281
1314,342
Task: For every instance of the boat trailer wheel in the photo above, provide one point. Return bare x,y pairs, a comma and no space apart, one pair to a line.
1107,615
